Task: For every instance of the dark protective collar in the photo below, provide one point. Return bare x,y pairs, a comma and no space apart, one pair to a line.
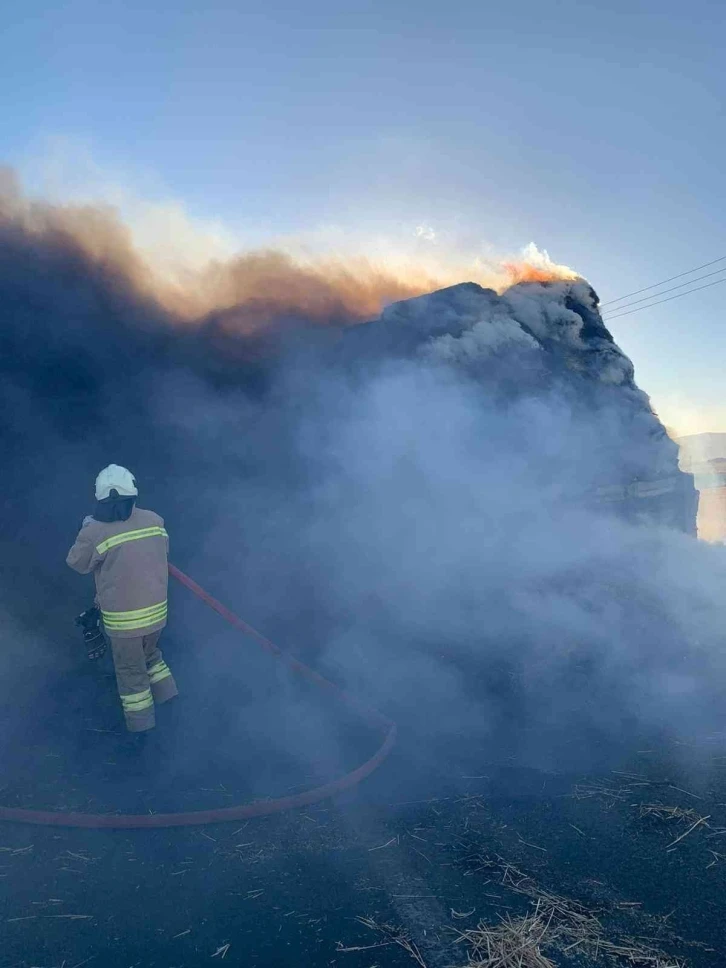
114,509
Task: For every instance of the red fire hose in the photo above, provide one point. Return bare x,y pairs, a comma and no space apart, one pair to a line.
257,808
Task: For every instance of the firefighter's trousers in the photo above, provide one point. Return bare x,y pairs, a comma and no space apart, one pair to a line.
143,678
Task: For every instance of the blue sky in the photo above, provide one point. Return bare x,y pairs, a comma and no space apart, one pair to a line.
595,130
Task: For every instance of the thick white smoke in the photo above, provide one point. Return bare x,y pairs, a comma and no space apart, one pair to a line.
419,519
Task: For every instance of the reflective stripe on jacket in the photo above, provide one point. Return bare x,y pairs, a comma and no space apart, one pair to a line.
128,560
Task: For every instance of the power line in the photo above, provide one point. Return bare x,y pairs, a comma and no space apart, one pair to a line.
678,296
681,285
655,285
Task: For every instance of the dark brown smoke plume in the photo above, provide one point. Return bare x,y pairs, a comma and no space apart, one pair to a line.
251,291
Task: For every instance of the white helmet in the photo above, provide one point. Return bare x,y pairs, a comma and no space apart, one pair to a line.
118,478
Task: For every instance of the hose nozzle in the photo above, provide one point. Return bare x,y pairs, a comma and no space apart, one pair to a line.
90,622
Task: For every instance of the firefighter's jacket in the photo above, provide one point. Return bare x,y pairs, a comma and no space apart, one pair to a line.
129,563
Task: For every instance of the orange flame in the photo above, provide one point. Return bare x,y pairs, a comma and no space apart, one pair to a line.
527,272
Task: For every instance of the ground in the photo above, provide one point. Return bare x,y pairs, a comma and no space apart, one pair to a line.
297,889
419,865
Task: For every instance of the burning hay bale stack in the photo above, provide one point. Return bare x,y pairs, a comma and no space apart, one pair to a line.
538,340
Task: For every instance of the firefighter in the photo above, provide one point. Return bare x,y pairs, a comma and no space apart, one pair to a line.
126,549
